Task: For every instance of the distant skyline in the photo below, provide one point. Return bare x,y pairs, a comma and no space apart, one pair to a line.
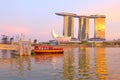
36,18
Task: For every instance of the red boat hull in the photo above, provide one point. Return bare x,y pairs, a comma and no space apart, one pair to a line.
47,49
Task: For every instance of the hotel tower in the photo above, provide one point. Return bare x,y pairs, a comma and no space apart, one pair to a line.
83,30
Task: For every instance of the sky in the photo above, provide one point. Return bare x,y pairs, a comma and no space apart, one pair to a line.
35,19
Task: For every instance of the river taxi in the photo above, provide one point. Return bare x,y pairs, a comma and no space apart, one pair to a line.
47,49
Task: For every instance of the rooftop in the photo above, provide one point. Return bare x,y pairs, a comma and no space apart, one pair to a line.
65,14
75,15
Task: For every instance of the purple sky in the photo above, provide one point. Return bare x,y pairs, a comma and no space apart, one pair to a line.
36,18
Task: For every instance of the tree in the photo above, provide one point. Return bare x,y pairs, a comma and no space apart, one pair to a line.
35,41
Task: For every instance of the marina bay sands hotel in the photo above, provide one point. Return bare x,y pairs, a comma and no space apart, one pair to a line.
83,31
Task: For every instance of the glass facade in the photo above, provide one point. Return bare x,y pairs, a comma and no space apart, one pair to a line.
100,59
68,26
99,27
83,32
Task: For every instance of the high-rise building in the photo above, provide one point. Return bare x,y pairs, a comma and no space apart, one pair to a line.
99,27
68,26
83,32
68,30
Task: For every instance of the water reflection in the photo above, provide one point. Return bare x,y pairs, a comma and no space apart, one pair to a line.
49,66
81,63
85,63
68,65
47,57
13,66
4,55
84,60
23,64
101,69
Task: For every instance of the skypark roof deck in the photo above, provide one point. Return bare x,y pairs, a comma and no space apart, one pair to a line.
78,16
97,16
65,14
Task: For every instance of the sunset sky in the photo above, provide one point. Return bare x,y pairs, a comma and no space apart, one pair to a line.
36,18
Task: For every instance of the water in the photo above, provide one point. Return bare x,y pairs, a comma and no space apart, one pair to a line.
75,64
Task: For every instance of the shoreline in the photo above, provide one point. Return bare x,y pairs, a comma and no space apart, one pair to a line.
81,45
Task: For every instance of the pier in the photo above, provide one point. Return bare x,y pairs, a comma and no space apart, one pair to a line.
23,47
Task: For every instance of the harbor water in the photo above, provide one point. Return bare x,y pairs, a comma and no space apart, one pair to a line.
79,63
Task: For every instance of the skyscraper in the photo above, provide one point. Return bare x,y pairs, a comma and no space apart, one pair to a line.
99,27
83,32
68,26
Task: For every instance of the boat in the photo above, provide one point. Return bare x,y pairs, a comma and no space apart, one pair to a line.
47,49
